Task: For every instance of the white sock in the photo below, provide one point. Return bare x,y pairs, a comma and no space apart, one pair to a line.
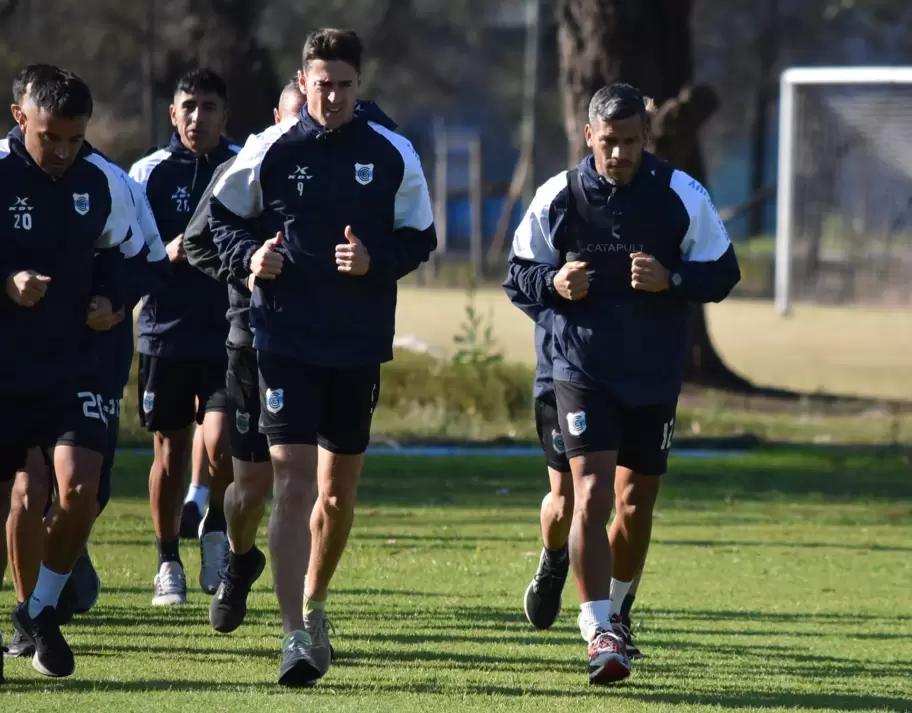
619,591
198,494
594,615
47,590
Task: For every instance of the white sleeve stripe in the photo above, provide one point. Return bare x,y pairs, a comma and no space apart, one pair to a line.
239,188
534,237
4,148
120,219
706,239
413,200
142,169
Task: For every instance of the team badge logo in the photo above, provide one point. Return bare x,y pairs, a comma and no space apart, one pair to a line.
364,173
242,421
557,441
576,423
148,401
275,400
81,203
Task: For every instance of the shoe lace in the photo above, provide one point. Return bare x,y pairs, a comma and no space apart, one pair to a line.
297,645
549,572
612,640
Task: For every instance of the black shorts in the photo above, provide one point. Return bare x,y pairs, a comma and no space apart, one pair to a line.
73,416
547,424
592,420
315,405
173,393
247,443
107,466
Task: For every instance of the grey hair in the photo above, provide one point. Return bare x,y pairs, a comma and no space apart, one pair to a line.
619,101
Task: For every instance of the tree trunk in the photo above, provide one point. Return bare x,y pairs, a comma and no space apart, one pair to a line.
648,44
767,53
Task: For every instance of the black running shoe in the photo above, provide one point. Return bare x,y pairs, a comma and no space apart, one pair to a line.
20,646
229,605
298,668
543,596
53,656
190,521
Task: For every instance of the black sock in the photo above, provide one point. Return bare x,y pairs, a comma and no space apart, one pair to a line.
243,564
556,556
169,551
214,519
626,606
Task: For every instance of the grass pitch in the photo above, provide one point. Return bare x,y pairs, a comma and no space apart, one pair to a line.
777,581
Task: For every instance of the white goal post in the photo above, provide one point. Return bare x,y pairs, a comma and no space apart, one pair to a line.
844,193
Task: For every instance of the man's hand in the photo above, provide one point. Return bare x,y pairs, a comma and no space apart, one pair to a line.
648,274
572,282
26,288
175,249
266,263
101,316
352,257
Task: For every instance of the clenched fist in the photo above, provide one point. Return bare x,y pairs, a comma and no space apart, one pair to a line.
647,274
572,282
175,249
26,288
266,263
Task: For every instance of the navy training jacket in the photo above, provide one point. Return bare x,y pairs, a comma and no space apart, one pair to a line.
71,229
310,183
186,320
628,341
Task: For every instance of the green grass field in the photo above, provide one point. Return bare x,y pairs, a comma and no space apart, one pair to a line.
777,581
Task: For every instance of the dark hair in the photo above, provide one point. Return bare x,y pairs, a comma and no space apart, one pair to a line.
330,45
202,80
617,101
55,90
29,75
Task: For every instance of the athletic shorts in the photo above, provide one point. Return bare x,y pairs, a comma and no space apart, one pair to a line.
74,415
303,404
173,393
592,420
547,425
247,443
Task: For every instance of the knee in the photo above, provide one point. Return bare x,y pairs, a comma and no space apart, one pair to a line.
252,490
30,490
594,500
80,494
337,501
632,506
562,506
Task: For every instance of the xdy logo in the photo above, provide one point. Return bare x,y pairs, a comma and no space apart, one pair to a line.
300,175
22,214
181,199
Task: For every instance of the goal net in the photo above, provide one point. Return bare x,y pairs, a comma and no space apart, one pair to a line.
844,225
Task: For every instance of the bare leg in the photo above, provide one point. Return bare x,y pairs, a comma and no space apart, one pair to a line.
332,518
557,510
245,503
25,530
166,482
295,468
590,550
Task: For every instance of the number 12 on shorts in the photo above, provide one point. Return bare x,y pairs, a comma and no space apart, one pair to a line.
668,431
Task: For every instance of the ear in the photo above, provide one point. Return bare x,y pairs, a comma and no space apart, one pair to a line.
302,81
172,110
16,111
275,115
588,132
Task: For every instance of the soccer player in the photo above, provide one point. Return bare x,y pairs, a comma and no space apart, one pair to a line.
348,204
245,498
182,333
56,291
618,247
146,271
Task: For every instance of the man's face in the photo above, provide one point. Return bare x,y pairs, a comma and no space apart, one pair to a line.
199,119
53,142
618,147
331,89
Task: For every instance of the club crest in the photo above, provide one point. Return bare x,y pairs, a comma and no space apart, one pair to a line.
81,203
364,173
